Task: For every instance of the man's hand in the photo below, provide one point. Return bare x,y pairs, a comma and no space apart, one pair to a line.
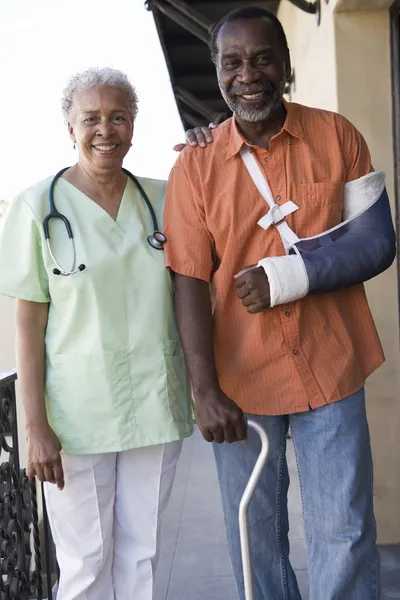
253,289
220,419
44,459
199,136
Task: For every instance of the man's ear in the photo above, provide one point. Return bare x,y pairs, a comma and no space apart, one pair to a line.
288,71
288,67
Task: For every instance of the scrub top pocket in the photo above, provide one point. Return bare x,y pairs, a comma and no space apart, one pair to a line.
91,388
178,387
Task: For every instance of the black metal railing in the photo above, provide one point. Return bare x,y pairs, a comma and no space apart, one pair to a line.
26,550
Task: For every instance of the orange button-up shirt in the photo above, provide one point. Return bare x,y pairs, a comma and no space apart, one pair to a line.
307,353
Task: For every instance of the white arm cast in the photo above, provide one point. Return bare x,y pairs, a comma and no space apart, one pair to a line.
287,277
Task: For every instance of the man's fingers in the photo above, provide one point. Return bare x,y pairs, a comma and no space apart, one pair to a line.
59,475
207,435
218,434
179,147
241,281
241,431
253,309
229,433
242,292
249,300
213,126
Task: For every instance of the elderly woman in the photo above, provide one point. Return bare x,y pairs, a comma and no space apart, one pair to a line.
101,371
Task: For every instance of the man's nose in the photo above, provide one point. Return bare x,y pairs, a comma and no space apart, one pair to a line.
248,74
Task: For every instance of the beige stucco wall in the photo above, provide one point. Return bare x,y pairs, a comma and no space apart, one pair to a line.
344,65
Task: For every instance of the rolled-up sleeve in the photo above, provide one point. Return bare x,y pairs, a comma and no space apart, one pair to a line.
22,271
188,250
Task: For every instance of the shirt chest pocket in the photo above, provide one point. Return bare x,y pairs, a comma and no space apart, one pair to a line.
320,207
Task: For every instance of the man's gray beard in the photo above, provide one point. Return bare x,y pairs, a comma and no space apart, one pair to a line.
254,115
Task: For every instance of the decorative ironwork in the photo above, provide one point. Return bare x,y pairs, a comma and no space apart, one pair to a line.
20,539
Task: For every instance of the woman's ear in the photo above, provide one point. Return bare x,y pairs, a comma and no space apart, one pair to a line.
71,132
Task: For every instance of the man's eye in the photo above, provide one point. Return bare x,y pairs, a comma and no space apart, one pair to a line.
231,64
264,60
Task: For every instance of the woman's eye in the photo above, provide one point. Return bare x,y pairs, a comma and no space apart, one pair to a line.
90,120
118,118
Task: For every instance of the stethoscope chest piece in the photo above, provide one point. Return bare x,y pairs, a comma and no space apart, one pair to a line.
157,240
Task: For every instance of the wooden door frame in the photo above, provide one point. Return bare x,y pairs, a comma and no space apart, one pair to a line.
395,61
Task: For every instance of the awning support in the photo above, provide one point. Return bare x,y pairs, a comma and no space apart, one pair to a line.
313,8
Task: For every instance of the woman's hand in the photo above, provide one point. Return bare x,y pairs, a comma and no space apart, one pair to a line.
199,136
44,458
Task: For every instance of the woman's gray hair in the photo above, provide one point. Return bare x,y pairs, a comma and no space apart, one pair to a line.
81,82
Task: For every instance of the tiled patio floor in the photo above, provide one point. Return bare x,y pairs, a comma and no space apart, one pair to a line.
194,563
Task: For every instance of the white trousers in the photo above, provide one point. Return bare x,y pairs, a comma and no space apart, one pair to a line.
106,521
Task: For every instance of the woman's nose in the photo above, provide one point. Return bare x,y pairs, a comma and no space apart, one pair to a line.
104,129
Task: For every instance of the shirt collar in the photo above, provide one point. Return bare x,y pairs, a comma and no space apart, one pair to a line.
292,126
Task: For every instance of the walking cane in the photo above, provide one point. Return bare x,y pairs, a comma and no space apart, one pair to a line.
243,510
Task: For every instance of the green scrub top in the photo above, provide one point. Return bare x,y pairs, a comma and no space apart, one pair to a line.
115,372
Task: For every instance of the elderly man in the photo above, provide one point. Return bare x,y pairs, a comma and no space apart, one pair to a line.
277,326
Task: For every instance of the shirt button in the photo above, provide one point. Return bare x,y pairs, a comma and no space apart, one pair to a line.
295,351
266,159
278,197
287,314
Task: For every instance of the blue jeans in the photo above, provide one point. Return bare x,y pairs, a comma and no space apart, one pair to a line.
335,466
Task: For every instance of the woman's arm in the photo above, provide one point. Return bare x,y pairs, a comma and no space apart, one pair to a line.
44,460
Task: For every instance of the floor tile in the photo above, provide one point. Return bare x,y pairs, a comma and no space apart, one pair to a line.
296,527
304,585
390,556
204,588
160,593
298,555
201,529
390,579
202,561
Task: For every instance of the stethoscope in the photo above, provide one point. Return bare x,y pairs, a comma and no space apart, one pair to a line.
156,239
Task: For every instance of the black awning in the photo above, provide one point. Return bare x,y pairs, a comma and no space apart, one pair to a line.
184,31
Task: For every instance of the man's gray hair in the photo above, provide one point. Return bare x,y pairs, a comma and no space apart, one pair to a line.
81,82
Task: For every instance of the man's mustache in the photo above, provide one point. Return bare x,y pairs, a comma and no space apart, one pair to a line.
239,89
